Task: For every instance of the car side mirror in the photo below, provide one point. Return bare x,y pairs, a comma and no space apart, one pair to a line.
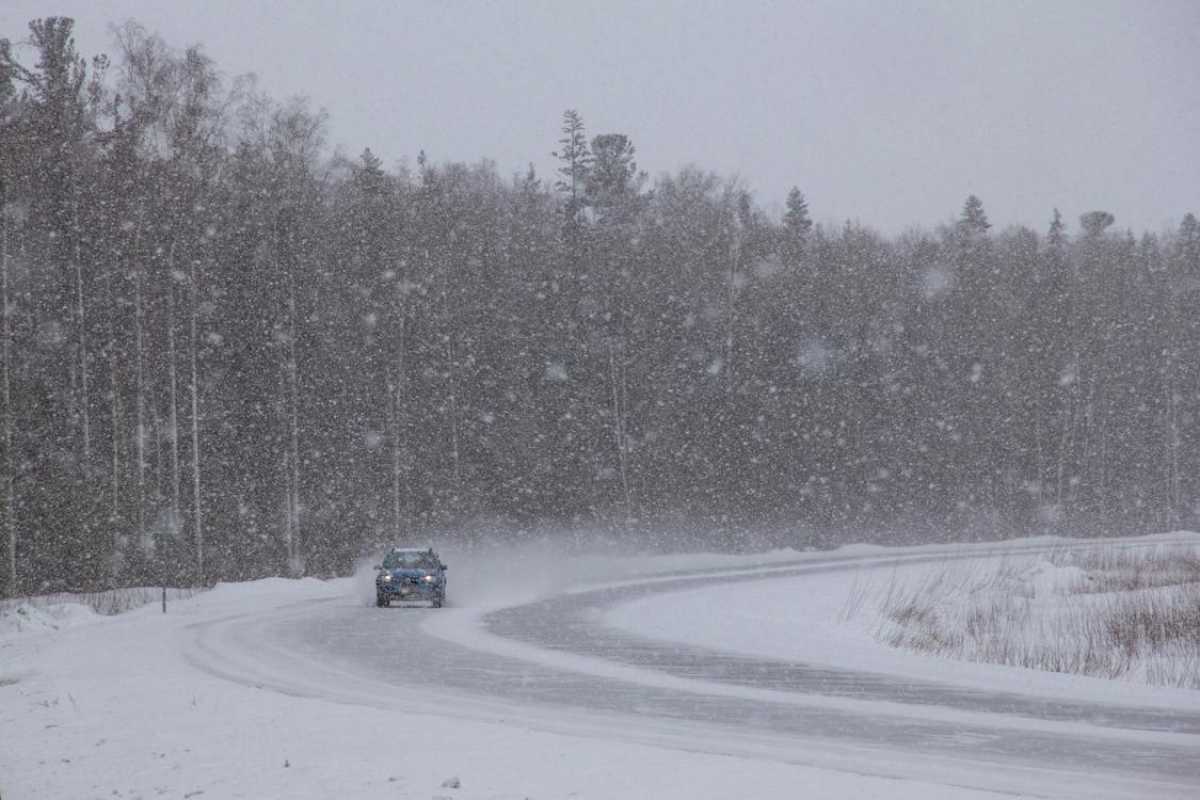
444,568
377,566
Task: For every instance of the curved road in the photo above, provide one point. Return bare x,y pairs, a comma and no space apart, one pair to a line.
551,664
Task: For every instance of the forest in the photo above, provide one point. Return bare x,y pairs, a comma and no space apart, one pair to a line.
229,352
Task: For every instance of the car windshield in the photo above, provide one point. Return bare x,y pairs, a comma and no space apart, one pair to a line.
409,560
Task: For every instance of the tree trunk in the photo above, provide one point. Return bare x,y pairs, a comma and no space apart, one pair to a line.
1172,442
198,531
1064,493
173,392
285,475
293,418
83,350
452,373
140,391
453,404
155,434
619,401
731,315
114,383
10,527
1040,453
397,398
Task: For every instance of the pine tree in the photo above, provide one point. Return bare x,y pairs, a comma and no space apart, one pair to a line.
973,219
613,192
1056,235
613,177
796,221
576,163
1188,245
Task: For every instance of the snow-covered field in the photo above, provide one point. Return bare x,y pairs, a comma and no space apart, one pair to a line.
839,619
1124,613
245,691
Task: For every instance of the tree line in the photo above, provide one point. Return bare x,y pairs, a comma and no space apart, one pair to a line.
228,353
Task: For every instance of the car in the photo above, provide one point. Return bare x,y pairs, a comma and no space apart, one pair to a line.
410,574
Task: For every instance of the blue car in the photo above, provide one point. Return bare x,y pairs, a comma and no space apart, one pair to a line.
411,575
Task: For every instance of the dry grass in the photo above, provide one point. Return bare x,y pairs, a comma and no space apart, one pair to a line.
1110,612
1115,569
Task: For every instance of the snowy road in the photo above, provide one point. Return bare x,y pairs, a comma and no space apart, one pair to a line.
554,665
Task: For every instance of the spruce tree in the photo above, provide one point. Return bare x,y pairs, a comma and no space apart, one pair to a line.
576,163
973,219
796,219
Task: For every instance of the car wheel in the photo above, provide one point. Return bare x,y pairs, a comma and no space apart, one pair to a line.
438,600
381,601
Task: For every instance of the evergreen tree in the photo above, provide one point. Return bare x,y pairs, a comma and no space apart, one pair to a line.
973,219
576,163
612,177
796,224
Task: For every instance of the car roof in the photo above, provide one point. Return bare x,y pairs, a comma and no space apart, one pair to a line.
412,549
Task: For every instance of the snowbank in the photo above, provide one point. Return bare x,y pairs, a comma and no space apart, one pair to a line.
27,618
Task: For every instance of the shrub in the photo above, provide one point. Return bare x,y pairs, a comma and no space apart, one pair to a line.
1113,611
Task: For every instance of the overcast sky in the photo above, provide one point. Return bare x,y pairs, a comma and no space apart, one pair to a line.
889,113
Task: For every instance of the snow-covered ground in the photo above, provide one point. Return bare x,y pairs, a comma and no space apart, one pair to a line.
247,691
834,619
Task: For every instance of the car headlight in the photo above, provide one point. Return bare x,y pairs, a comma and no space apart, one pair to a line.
429,579
387,578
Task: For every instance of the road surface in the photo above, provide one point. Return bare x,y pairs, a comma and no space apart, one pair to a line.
551,664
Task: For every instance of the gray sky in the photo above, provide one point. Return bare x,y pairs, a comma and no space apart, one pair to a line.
889,113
